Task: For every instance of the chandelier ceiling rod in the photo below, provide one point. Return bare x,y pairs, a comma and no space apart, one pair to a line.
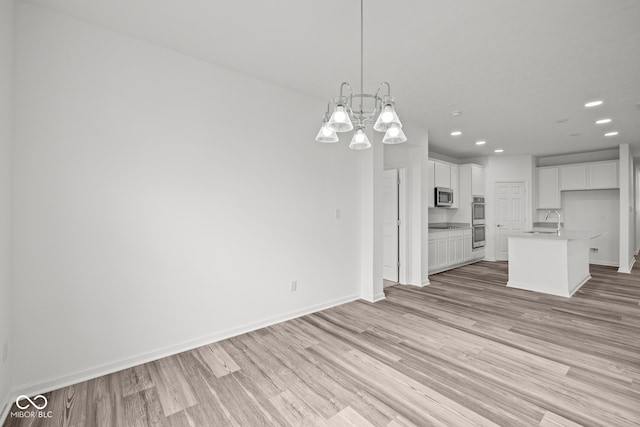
361,53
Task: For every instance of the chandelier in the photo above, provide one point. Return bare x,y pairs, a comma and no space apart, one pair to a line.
343,116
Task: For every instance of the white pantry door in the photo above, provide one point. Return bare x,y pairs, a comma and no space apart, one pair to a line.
391,226
511,214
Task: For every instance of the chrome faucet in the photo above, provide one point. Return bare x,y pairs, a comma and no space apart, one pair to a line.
557,213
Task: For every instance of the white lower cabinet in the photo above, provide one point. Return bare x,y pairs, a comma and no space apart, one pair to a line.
455,247
442,249
433,252
466,245
449,248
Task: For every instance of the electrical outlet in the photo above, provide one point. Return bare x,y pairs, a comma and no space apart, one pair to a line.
594,250
5,351
293,286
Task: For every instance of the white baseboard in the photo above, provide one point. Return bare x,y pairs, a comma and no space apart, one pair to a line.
109,368
420,284
560,292
605,263
452,266
585,280
376,298
627,270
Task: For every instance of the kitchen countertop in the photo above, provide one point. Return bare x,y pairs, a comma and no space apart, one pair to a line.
449,225
547,224
564,235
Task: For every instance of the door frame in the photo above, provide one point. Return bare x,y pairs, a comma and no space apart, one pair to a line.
403,238
394,224
527,214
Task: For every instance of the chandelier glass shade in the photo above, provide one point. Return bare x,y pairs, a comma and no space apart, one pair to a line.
393,135
360,141
350,111
326,134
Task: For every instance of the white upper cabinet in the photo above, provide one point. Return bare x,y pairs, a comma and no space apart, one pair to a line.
477,181
573,177
581,176
589,176
454,186
603,175
464,180
431,183
549,188
443,175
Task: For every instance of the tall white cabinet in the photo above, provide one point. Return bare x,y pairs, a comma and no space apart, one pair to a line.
470,185
477,180
548,188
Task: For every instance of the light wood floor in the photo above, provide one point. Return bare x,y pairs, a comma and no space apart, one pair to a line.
465,350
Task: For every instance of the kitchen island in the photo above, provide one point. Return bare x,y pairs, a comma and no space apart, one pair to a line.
548,262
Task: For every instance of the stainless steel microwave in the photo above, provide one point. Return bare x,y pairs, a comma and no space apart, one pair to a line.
443,197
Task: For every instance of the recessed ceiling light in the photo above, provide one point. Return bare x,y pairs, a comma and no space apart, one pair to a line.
593,103
614,133
603,121
499,150
481,142
456,113
562,120
456,133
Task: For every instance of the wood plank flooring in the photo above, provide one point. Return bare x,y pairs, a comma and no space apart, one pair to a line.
465,350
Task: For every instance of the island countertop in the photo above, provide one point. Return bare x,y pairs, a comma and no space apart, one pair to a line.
564,235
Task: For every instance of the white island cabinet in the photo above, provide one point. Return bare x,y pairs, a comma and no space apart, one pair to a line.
550,263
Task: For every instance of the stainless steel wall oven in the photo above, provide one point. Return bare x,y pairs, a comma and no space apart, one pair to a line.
478,222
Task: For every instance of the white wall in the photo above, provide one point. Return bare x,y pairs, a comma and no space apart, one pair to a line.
372,219
595,210
444,158
637,204
505,169
6,98
627,212
442,215
409,156
162,202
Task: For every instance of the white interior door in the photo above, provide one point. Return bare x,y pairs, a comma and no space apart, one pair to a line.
391,225
511,218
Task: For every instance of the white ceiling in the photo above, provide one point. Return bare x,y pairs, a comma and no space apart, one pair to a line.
514,68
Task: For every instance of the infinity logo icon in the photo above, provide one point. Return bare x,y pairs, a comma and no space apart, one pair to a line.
31,402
